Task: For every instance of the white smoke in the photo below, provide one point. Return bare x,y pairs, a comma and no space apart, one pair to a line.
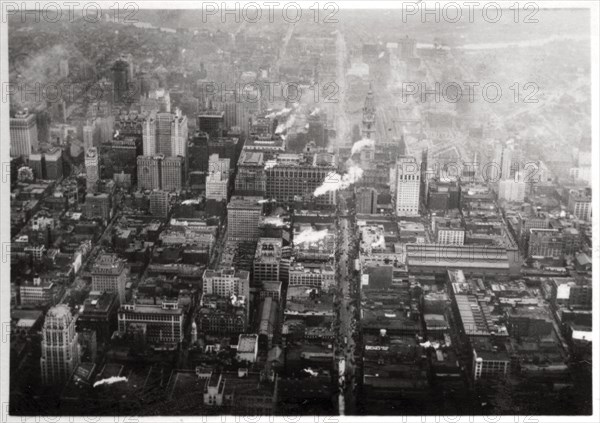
266,200
280,128
315,112
274,220
110,380
283,112
334,181
116,134
311,372
359,145
310,235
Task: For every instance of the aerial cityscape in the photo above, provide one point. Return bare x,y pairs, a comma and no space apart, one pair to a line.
322,211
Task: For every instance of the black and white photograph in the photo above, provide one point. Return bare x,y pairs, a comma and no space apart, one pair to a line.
299,211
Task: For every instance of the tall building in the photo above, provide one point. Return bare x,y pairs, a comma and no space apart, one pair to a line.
60,350
408,184
54,164
23,134
149,172
120,79
368,120
92,169
88,136
226,282
109,275
366,200
212,122
251,177
165,133
172,174
266,260
580,204
243,215
48,165
159,203
216,187
149,134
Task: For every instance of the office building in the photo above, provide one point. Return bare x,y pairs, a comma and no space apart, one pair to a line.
267,260
172,174
53,164
165,133
546,243
580,204
23,134
226,283
92,169
408,184
322,277
243,215
120,79
39,292
109,275
216,187
296,177
448,230
251,177
149,169
366,200
212,122
99,314
60,349
162,323
97,206
159,203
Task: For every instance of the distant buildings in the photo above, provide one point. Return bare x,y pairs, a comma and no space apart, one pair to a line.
512,190
60,350
23,134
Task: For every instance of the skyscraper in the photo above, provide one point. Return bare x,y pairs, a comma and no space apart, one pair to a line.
120,74
23,134
165,133
92,169
172,174
368,120
212,122
60,351
408,184
243,214
159,203
149,172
